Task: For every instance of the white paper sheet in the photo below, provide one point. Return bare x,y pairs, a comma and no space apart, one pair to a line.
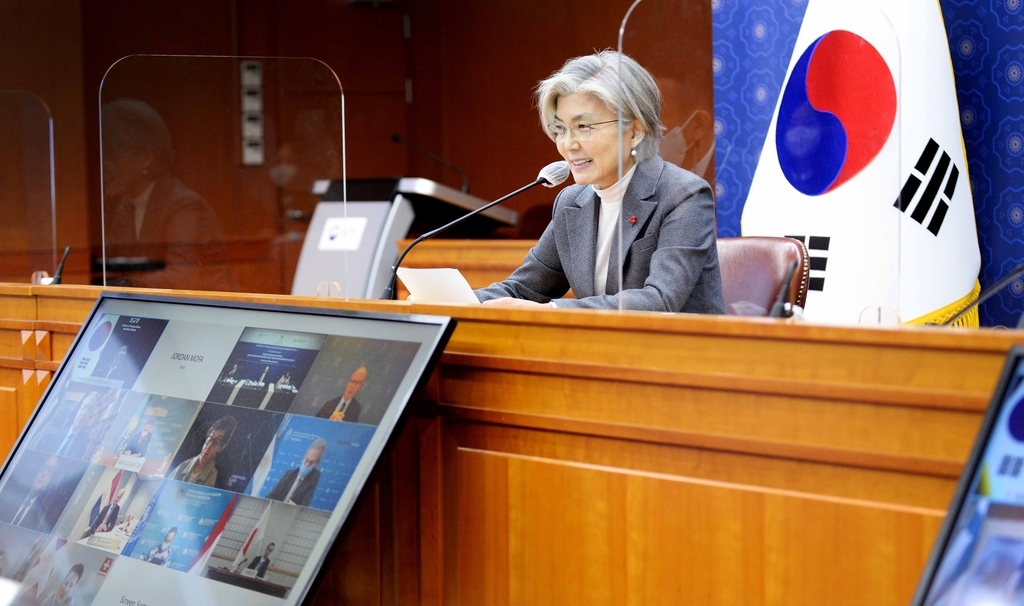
437,285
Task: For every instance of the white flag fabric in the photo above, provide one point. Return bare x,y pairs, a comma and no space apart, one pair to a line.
254,543
259,476
864,162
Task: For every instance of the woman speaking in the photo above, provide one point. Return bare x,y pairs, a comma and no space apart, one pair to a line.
670,258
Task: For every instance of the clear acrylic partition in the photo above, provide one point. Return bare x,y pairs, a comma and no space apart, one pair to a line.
28,232
208,169
829,169
671,39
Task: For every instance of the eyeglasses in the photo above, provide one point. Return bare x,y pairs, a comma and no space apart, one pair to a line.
216,440
580,132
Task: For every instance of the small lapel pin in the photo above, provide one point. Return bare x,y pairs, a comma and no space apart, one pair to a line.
632,220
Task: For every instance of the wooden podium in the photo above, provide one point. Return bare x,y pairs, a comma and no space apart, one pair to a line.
575,457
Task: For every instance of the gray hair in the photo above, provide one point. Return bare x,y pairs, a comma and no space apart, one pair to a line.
633,92
318,444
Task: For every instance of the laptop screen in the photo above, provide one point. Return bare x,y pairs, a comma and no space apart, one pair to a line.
200,452
978,558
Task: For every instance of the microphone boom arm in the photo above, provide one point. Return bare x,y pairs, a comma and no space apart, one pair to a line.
998,286
389,290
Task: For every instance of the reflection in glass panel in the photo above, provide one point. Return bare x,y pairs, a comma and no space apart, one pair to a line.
672,40
208,168
28,230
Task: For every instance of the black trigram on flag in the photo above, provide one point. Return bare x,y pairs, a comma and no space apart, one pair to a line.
817,251
945,172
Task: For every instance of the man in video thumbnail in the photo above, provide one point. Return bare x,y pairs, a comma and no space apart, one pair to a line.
346,407
138,442
107,517
261,563
298,485
90,413
32,512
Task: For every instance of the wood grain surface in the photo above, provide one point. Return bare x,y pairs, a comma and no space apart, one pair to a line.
563,456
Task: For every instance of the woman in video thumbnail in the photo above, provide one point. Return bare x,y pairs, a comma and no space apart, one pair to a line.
202,468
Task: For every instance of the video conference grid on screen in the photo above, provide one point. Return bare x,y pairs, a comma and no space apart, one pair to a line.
211,450
983,559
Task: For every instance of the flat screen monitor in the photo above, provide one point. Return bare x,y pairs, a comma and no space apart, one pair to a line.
978,557
202,452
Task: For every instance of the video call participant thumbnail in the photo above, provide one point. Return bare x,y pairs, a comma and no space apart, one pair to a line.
202,468
31,514
161,554
261,563
39,489
65,593
346,407
114,367
138,443
210,456
298,485
106,519
89,425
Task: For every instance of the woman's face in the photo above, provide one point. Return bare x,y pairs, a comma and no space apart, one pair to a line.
125,172
596,160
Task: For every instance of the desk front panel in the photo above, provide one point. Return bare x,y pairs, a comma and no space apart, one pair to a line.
586,457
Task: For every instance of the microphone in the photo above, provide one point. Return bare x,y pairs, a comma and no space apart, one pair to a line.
60,267
998,286
465,180
779,308
551,175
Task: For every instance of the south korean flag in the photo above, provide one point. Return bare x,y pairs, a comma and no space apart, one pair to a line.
864,157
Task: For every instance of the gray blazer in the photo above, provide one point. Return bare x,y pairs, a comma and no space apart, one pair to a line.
671,259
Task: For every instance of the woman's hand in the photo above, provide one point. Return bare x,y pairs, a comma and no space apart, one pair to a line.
511,302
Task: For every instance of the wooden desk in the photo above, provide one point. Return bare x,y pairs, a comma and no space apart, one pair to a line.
571,457
224,575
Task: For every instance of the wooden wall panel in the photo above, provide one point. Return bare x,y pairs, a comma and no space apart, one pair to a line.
630,537
851,481
10,341
423,57
483,552
17,304
845,427
768,548
10,426
40,52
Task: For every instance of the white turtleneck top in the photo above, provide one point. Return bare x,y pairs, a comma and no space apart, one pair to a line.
611,205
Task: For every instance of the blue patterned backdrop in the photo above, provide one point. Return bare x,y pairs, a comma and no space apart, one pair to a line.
753,42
